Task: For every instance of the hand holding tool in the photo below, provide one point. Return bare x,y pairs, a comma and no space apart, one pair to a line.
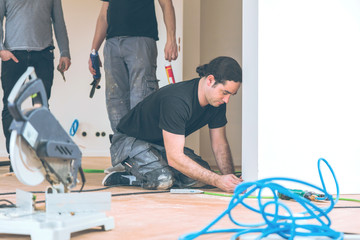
94,56
61,70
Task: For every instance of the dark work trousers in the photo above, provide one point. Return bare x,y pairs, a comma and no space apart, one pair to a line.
42,61
148,163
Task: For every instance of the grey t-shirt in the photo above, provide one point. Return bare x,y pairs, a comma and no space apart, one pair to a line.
28,25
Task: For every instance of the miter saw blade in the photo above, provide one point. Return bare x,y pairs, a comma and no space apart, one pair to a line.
24,161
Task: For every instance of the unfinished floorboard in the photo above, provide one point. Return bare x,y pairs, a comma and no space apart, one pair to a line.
159,215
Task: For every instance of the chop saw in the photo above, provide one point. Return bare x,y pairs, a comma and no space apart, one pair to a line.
41,149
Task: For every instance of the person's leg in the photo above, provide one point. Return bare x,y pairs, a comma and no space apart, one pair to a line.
43,62
149,161
140,54
120,148
117,81
143,161
10,74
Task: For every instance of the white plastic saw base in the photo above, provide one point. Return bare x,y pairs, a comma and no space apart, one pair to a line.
65,213
41,226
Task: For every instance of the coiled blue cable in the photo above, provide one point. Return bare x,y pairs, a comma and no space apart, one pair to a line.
278,217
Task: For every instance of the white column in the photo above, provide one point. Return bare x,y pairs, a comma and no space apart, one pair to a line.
301,83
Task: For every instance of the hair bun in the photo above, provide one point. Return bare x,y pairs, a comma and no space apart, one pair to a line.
201,70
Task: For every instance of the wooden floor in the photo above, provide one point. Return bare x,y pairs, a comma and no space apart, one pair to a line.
167,216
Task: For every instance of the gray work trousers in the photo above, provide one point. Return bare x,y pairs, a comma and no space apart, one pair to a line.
148,163
130,72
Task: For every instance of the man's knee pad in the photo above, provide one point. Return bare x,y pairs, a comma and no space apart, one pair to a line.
159,179
147,164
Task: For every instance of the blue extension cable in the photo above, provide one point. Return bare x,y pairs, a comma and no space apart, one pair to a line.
287,225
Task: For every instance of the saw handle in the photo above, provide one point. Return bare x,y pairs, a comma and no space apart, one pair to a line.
34,89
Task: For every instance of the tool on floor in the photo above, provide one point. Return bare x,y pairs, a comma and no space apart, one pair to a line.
312,196
41,149
94,56
185,190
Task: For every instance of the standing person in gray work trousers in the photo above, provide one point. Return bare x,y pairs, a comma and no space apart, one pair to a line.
130,51
28,42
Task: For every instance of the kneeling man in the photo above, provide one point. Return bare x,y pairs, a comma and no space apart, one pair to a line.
150,143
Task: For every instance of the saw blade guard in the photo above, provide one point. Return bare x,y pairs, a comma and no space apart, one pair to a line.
22,91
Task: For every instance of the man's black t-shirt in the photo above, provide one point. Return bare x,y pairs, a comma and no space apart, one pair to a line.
174,108
131,18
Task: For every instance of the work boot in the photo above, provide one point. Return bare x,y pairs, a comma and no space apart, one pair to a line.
120,179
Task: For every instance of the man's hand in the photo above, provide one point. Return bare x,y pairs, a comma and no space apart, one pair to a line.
228,182
91,69
6,55
64,64
171,52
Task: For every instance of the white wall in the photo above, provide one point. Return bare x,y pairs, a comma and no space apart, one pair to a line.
250,91
70,100
221,35
307,80
191,53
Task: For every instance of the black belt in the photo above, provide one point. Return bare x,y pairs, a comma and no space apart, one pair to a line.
44,50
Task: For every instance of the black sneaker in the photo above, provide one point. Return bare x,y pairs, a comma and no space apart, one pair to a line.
120,178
